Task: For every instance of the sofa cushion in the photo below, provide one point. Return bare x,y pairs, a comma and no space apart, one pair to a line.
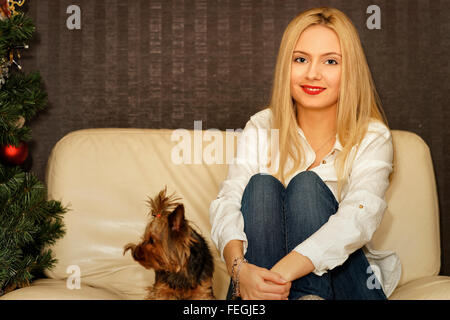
426,288
52,289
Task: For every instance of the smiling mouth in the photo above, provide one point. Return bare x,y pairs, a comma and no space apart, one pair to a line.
312,90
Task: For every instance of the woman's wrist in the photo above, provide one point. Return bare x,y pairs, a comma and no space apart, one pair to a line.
232,250
293,266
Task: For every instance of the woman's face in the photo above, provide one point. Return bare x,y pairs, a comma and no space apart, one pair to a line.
316,62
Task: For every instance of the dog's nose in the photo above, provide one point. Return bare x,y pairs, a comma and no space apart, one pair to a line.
138,253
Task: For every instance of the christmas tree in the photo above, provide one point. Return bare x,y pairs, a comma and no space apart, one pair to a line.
29,223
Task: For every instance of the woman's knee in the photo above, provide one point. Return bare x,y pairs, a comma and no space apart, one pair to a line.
264,179
304,179
308,185
261,184
309,204
262,196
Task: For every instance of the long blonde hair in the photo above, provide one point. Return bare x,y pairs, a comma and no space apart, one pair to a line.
358,102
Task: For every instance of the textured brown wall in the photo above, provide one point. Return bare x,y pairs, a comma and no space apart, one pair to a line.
164,64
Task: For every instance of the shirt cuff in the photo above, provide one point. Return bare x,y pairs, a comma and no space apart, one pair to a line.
310,250
227,237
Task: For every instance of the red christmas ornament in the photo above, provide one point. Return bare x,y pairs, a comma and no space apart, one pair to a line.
15,155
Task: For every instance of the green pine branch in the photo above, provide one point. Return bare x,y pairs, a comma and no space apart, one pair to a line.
29,224
21,95
15,32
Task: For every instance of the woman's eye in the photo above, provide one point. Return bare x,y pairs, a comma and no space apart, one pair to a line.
303,60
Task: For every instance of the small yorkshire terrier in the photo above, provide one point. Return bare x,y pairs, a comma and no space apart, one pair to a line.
180,256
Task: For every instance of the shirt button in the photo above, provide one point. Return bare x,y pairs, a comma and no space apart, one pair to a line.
323,162
361,206
333,152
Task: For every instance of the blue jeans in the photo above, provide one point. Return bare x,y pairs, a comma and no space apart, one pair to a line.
277,219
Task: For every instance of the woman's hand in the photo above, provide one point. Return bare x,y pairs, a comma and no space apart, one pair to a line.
257,283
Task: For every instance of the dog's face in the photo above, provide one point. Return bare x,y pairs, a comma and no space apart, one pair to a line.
179,255
165,244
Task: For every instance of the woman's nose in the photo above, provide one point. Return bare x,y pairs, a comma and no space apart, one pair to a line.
313,71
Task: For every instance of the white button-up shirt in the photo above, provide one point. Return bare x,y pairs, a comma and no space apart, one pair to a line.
350,228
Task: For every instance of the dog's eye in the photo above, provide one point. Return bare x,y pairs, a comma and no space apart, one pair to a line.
148,242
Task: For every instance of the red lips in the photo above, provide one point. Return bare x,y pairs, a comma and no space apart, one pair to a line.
312,90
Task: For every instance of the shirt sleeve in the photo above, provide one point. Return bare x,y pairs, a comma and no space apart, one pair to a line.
225,213
361,210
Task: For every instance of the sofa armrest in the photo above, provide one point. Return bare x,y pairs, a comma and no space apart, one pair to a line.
427,288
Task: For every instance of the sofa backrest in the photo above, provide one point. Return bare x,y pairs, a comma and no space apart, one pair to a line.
105,177
410,225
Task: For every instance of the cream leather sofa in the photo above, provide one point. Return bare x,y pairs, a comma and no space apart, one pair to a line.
106,175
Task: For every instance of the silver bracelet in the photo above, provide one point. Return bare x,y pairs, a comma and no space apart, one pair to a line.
235,278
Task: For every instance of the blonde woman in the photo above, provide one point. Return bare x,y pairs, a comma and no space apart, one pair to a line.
296,213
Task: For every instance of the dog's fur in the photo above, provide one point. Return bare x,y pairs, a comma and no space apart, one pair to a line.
179,255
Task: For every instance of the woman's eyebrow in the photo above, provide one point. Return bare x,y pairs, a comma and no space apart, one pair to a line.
325,54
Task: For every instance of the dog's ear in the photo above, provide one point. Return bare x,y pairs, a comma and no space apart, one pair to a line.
176,218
